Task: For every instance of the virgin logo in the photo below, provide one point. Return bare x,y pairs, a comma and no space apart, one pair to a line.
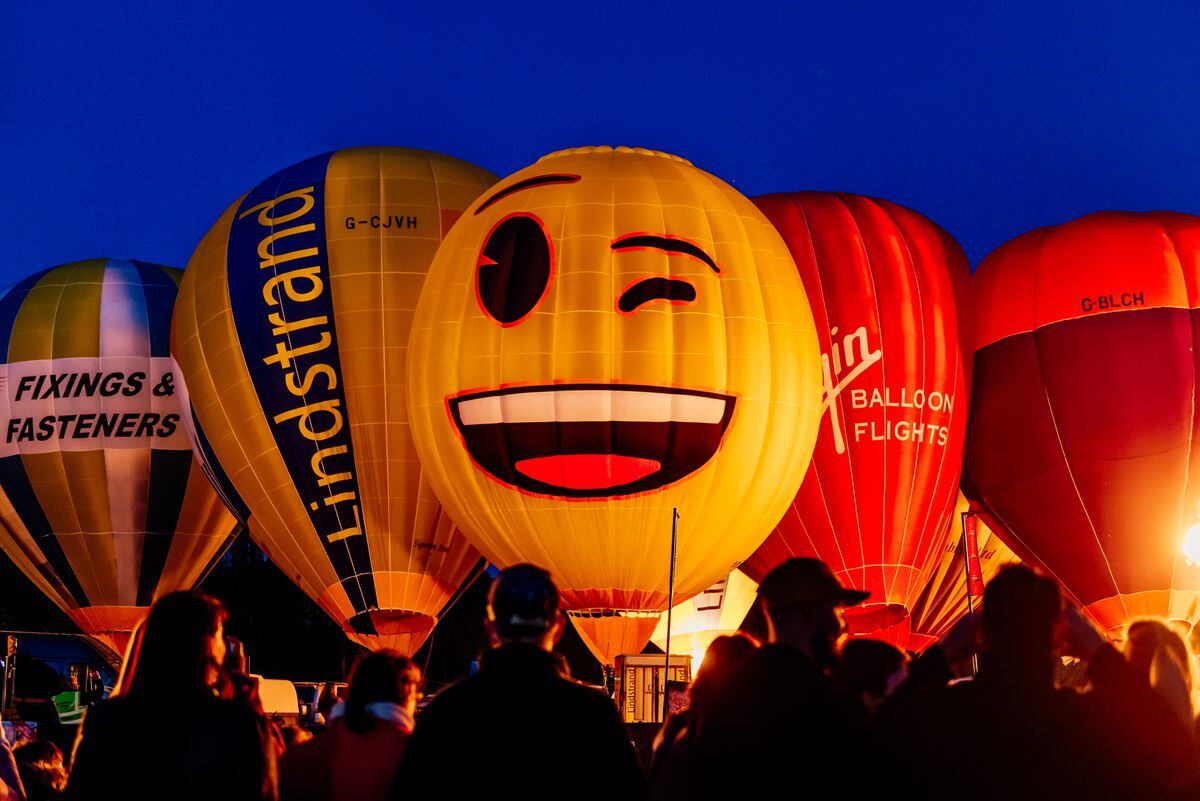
851,355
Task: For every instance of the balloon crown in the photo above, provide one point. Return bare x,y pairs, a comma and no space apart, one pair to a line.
641,151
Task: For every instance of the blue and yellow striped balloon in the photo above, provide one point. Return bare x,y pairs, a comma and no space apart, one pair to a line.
292,332
103,505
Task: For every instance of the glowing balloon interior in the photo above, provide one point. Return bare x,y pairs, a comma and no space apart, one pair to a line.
716,612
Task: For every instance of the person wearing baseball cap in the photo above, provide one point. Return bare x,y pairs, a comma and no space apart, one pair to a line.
520,727
782,717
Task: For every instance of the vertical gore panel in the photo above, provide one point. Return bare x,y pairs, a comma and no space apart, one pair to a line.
278,265
168,484
15,483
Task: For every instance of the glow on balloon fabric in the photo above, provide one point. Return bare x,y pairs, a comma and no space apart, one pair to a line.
944,600
716,612
1082,447
608,335
103,506
292,332
885,283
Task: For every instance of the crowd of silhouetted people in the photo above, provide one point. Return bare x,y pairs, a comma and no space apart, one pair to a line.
987,713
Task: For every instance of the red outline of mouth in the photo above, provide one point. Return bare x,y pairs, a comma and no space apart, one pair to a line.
628,456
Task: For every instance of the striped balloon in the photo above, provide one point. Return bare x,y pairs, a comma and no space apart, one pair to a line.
103,506
292,332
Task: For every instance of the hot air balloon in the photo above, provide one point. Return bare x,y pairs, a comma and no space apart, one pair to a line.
717,611
884,282
103,506
607,336
944,599
1082,448
291,331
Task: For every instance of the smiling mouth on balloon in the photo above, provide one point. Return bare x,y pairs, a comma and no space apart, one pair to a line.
591,440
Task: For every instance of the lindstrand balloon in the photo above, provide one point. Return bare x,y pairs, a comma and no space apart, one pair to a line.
103,506
1081,450
944,600
609,335
292,331
885,284
717,611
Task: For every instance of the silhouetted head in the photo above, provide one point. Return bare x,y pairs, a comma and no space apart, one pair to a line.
385,676
800,599
181,648
1161,655
724,654
1020,611
871,669
40,766
523,607
33,751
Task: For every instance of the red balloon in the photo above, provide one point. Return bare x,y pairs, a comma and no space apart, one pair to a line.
1082,445
883,281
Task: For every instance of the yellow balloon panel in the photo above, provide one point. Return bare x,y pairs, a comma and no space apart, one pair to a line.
608,335
717,611
104,506
292,333
944,599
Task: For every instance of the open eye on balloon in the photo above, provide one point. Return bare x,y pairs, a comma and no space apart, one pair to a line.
513,270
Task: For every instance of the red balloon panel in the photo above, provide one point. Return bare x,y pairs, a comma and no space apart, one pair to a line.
1081,445
883,282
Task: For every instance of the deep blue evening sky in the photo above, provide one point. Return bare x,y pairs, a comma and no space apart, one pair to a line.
126,128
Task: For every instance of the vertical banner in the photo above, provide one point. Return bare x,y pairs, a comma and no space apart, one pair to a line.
971,549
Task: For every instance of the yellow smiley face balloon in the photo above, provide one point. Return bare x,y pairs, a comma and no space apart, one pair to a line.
603,337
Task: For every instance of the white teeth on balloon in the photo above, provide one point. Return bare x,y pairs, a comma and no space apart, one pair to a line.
591,405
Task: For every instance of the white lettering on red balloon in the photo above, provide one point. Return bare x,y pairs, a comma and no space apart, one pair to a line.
924,414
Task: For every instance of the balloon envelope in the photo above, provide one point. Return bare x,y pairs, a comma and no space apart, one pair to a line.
884,282
1082,450
608,336
292,332
716,612
104,507
944,600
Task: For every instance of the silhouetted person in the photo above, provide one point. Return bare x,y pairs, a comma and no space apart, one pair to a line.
40,763
1163,659
781,725
871,670
167,736
356,759
1119,741
325,702
518,728
10,779
669,762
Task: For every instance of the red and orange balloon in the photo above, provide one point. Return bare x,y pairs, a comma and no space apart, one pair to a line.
1082,447
885,284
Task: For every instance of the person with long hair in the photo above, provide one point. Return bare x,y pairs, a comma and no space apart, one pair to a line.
358,756
166,735
1162,657
10,778
668,761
